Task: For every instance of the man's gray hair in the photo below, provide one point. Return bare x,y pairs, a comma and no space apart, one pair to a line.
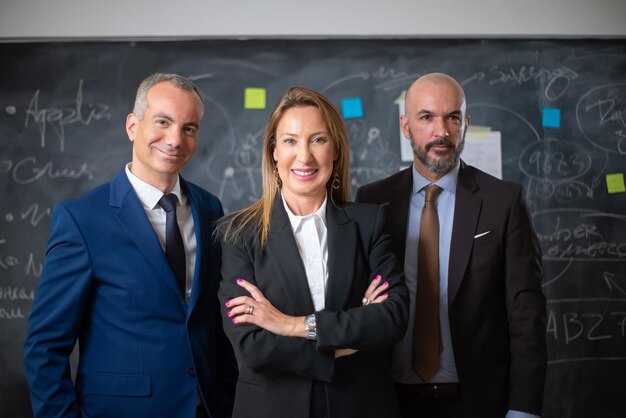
141,100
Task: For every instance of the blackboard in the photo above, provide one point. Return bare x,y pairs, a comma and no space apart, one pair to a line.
62,113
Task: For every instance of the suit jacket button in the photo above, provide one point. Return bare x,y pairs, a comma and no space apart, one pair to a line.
191,371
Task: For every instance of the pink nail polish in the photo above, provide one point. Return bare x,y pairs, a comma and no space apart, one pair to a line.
227,303
234,320
229,313
386,284
378,277
386,294
239,280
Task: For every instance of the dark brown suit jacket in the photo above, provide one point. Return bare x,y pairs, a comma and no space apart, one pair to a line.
277,373
496,307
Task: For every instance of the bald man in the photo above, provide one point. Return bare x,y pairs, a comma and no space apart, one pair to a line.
489,355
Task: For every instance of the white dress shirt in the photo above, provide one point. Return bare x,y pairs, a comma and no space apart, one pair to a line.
311,234
149,197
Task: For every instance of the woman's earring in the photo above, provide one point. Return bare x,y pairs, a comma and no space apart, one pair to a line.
336,181
277,179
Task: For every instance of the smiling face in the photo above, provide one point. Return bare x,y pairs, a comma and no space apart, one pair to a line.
435,123
304,154
165,139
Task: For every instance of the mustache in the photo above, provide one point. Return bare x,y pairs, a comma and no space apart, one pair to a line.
439,142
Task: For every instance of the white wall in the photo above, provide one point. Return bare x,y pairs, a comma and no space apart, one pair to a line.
28,19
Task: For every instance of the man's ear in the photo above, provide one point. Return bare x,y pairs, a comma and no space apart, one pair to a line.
131,126
467,123
404,126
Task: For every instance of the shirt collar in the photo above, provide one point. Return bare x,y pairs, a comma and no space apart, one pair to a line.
447,182
296,220
149,195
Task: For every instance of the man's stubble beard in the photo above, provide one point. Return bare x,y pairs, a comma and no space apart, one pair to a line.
438,166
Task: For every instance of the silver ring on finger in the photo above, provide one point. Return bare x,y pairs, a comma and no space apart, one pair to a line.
365,301
250,310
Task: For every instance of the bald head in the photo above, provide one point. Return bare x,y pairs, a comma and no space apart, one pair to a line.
445,85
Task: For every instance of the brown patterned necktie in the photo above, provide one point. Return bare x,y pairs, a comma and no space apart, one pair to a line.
427,337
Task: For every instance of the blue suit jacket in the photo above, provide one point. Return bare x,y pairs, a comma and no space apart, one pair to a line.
106,282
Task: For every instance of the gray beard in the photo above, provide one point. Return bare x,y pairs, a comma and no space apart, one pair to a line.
437,166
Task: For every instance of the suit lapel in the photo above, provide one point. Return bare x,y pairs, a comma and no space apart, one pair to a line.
398,211
342,242
203,257
282,250
134,221
466,213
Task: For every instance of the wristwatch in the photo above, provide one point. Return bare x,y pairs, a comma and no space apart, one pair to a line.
311,327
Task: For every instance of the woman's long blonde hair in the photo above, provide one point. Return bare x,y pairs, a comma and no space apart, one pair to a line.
338,186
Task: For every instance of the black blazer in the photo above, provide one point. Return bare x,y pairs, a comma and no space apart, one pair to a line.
276,373
496,307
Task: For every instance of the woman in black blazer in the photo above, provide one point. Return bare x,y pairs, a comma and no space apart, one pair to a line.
296,266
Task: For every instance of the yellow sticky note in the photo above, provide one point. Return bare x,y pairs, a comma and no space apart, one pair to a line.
479,132
254,98
615,183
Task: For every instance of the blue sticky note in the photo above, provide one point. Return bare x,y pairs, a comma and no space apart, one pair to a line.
551,118
352,108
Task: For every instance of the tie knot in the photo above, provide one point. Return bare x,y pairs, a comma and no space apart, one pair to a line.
168,202
432,192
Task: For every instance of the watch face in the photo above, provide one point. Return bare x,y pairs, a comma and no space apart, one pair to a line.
310,325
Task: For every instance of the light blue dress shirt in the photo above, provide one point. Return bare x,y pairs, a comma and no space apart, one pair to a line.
402,367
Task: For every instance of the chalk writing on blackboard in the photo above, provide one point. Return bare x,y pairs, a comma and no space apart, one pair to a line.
601,117
58,117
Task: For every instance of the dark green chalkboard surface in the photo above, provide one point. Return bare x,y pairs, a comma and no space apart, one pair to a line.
62,113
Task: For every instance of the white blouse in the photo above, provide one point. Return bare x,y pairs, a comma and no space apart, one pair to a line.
311,234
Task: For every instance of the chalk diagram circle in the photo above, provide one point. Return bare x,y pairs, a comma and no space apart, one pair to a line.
601,117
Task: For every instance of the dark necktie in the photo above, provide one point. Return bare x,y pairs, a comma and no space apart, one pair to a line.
174,247
427,337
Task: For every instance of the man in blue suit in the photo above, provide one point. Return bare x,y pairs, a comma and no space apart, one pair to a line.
149,345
